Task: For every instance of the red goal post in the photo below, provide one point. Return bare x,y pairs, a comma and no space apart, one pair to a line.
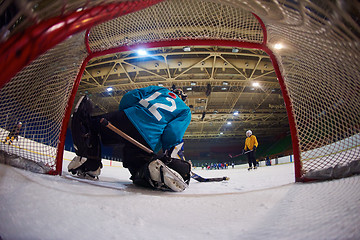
324,128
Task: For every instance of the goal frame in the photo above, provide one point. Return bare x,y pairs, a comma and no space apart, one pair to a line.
23,48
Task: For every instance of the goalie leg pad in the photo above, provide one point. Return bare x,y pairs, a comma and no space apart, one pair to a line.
85,138
164,177
76,163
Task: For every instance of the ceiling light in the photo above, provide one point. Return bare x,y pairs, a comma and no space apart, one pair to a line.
255,84
228,123
221,133
142,52
235,50
224,88
109,89
225,83
187,49
193,84
189,88
160,84
278,46
236,113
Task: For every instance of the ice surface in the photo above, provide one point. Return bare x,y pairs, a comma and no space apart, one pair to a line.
261,204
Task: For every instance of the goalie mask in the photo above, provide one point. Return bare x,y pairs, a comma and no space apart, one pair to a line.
180,93
248,133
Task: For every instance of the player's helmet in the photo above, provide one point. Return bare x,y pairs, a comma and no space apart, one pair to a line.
248,133
180,93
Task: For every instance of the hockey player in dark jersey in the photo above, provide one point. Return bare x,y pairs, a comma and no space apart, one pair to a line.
154,116
14,134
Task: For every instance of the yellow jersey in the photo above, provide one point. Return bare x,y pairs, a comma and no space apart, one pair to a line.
250,142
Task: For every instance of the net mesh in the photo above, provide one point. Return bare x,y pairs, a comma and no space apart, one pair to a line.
319,63
321,69
37,97
173,20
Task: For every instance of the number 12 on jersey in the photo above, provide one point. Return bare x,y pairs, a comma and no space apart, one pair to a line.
154,108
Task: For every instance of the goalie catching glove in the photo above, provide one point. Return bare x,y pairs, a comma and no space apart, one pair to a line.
168,172
175,159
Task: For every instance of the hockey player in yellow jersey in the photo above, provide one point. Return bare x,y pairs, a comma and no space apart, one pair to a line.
251,144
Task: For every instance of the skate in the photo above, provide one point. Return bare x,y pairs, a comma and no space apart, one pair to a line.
165,178
90,175
255,168
77,167
249,168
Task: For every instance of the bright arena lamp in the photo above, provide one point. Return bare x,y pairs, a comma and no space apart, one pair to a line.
278,46
142,52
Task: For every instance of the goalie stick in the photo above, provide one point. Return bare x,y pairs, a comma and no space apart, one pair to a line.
240,154
201,179
198,178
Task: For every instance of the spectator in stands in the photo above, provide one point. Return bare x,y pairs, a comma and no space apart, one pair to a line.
268,162
14,134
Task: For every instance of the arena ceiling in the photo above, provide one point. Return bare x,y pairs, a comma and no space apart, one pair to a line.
229,90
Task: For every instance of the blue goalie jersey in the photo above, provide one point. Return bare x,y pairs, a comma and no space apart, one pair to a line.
159,115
